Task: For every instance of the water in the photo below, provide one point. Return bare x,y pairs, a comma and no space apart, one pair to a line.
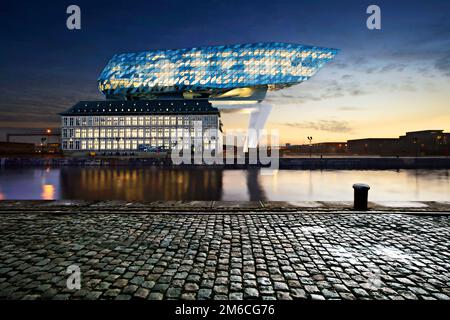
159,183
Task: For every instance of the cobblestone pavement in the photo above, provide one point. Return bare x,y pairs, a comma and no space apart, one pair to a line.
226,256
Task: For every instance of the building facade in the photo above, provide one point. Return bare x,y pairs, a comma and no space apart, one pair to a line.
127,127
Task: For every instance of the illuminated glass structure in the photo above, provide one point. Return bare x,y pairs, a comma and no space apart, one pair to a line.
228,72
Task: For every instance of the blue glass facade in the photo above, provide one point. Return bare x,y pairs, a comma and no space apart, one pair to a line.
229,72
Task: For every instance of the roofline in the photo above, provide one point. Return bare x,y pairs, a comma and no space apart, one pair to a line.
418,131
230,45
161,103
372,139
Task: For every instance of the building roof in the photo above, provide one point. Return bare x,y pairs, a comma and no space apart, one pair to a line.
112,107
372,139
425,131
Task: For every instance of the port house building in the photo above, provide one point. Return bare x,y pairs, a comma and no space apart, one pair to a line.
124,127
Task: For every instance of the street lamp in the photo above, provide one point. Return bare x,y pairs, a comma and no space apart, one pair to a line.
310,145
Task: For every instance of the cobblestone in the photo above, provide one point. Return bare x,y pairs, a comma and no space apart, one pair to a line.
226,256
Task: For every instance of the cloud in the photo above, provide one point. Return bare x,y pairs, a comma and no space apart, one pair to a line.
348,108
321,125
442,64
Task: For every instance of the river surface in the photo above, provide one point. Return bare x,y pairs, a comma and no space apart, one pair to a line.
162,183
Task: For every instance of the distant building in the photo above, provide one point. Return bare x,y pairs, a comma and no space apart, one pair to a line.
31,140
373,146
316,148
12,148
127,127
415,143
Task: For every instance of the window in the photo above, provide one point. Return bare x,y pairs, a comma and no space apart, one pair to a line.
64,144
77,144
65,121
64,133
141,121
71,121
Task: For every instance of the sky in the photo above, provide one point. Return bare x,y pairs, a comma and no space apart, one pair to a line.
381,84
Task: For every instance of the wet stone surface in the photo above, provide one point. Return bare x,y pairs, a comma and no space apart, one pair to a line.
225,256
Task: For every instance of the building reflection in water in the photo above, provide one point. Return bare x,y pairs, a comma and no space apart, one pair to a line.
254,188
48,192
200,183
145,184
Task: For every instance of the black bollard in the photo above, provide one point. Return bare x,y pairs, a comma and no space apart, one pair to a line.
361,193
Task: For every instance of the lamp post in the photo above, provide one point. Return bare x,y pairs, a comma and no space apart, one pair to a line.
310,146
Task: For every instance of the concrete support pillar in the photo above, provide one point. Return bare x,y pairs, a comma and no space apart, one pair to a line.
258,119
